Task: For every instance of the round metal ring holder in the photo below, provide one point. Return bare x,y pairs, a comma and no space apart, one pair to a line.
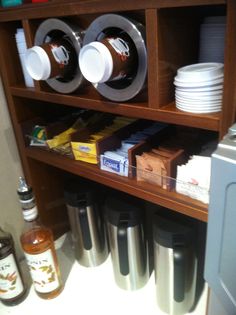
44,32
97,31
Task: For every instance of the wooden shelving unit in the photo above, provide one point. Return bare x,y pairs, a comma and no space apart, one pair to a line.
168,24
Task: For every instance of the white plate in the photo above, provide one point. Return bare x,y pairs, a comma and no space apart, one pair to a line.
210,98
216,87
198,84
198,106
201,110
195,94
207,111
196,81
198,102
205,71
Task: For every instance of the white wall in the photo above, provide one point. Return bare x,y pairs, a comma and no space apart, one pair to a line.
10,169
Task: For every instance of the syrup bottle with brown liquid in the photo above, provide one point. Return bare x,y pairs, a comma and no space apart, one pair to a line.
38,246
12,287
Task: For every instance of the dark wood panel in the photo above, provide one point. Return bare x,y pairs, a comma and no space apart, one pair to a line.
152,50
172,200
229,98
48,187
69,8
167,114
204,121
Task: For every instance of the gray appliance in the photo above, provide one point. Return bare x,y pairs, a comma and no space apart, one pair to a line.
175,265
128,245
88,230
220,264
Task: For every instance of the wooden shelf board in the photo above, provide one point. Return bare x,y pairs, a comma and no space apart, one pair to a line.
207,121
168,114
69,8
156,195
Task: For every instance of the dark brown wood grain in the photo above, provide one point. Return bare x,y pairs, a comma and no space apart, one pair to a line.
172,28
167,113
70,8
228,115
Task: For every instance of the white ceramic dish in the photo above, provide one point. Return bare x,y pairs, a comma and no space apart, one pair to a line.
199,72
196,101
195,94
199,84
210,98
201,110
200,106
217,87
206,111
196,82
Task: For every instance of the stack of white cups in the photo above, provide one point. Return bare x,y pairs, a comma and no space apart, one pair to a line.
21,47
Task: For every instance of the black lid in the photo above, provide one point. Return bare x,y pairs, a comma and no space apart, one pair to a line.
169,233
79,194
116,208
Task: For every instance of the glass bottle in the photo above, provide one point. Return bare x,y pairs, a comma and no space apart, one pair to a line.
38,246
12,287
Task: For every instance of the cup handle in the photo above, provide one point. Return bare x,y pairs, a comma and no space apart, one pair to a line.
84,226
123,244
179,274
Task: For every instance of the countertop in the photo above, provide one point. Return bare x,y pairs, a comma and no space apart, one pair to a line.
90,291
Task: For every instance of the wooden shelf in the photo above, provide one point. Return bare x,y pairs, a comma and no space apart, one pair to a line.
69,8
172,39
168,114
148,192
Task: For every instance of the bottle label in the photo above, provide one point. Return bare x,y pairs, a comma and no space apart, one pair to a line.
43,271
10,281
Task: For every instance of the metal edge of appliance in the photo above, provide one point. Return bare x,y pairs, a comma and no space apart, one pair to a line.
74,33
136,31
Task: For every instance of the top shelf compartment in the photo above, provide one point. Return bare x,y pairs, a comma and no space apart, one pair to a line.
59,8
168,31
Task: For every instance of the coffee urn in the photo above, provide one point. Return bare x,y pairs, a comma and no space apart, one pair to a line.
128,245
175,264
86,221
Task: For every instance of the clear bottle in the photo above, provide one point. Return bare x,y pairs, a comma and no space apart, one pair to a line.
12,288
38,246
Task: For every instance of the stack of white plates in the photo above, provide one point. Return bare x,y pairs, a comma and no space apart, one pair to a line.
22,47
199,88
212,39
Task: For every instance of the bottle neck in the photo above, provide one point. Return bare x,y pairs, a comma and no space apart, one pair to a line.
30,214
